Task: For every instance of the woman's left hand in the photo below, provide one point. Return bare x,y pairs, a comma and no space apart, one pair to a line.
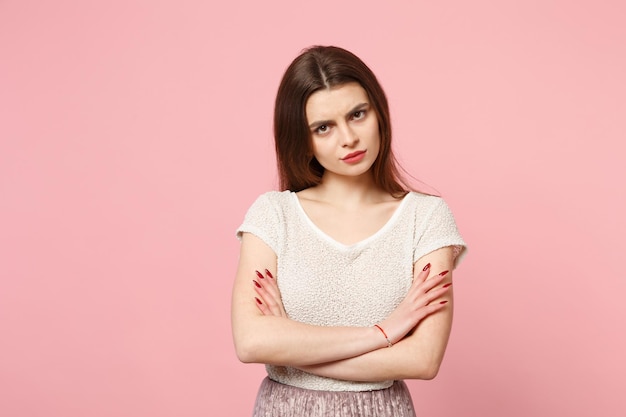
269,300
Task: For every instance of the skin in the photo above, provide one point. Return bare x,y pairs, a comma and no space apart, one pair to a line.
348,207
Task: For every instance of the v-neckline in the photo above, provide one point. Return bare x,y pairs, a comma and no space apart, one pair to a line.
362,242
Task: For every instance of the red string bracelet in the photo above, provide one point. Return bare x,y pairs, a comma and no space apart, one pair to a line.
389,344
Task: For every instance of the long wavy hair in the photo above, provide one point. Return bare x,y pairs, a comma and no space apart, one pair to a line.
316,68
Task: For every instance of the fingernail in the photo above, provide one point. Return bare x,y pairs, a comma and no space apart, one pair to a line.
447,285
269,274
443,302
258,274
258,301
443,274
256,283
427,267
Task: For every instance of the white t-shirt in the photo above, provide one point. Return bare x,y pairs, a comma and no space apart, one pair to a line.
326,283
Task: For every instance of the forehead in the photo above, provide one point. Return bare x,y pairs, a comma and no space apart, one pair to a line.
336,101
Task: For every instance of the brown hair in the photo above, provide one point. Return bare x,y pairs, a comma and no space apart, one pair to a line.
316,68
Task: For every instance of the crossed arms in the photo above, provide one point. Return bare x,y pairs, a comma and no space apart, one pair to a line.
419,327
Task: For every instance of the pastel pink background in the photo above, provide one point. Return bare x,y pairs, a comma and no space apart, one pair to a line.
134,135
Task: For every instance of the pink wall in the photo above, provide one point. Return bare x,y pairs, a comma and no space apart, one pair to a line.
133,136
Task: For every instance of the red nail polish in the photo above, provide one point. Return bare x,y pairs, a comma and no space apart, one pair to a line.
427,267
258,301
256,283
447,285
443,302
443,274
269,274
258,274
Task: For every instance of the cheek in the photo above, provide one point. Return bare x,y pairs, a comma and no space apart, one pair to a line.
373,134
375,142
319,149
370,128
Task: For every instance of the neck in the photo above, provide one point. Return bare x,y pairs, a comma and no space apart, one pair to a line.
349,191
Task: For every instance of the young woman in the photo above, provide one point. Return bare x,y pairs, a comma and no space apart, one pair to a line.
343,287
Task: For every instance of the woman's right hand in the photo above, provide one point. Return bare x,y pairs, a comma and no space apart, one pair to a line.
269,300
421,301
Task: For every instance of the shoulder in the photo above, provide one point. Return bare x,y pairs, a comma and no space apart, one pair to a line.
270,203
266,216
435,227
429,208
424,201
273,198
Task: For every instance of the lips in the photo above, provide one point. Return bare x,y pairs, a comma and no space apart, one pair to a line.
352,155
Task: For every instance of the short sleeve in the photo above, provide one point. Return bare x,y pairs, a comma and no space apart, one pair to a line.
438,230
264,220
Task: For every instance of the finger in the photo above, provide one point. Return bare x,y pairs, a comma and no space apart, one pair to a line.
433,281
261,291
271,286
268,274
274,305
262,307
423,274
269,308
436,293
421,294
416,291
268,284
434,307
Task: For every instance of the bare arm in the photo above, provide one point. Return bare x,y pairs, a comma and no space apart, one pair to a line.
274,339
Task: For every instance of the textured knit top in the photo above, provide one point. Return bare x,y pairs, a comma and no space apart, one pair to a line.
327,283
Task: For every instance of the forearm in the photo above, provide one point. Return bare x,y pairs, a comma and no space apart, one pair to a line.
281,341
418,356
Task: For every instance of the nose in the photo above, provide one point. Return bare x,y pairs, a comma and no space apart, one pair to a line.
349,138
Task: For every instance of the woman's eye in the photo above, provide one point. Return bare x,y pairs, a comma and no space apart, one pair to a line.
322,129
358,114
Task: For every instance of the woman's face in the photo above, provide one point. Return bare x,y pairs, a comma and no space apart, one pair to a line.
344,129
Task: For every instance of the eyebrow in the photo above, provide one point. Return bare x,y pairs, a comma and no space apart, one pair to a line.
356,108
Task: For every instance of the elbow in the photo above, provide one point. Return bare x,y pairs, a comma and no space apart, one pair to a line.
430,372
244,356
245,345
254,350
246,351
248,345
426,363
424,371
253,347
